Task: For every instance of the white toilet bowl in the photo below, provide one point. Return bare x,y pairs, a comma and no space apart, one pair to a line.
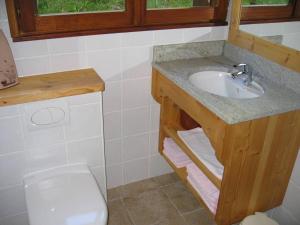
64,196
258,219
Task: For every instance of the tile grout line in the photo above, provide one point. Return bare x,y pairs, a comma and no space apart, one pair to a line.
128,212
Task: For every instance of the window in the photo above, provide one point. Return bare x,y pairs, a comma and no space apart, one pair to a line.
270,10
37,19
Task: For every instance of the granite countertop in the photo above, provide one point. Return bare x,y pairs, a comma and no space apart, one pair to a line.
275,100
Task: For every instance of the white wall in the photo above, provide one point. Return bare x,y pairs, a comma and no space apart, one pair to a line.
24,150
131,115
289,30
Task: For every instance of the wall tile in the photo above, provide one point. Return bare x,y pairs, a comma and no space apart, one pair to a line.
114,176
197,34
136,93
33,66
136,62
84,99
154,143
45,157
141,38
3,14
113,152
219,33
86,151
135,170
107,63
136,121
292,40
292,200
66,62
99,174
85,121
12,201
283,216
269,29
42,137
65,45
155,114
173,36
10,111
158,166
135,147
112,125
29,49
296,171
112,97
291,27
11,137
102,42
21,219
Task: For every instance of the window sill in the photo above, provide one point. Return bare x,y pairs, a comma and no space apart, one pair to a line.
30,37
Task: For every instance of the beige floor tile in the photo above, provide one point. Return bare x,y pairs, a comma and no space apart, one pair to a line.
136,188
113,194
166,179
118,214
181,197
199,217
152,207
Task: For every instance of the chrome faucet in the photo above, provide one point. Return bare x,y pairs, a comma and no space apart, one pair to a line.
245,70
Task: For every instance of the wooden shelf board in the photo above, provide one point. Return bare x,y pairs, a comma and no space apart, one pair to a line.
182,174
173,134
49,86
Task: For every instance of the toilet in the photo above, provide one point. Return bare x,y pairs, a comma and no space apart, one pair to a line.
258,219
67,195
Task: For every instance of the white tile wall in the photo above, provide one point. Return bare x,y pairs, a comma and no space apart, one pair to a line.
24,150
130,114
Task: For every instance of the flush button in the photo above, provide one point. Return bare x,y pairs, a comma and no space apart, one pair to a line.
47,114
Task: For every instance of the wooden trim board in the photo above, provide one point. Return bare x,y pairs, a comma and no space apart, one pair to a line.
49,86
280,54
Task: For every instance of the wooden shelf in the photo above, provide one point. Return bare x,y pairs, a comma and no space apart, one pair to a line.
49,86
182,174
173,134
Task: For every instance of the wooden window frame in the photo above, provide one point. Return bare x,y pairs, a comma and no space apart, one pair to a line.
25,24
263,14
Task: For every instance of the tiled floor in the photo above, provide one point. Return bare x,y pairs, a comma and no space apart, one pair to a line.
161,200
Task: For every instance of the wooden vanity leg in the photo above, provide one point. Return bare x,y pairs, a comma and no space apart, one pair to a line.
169,116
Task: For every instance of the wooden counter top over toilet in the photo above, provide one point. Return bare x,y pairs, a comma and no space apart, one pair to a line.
54,85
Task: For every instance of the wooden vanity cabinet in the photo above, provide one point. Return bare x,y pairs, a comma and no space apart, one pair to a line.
258,155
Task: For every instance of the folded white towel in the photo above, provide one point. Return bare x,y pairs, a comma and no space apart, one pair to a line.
175,154
200,145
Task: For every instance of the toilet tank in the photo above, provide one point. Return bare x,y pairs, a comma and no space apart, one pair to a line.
67,195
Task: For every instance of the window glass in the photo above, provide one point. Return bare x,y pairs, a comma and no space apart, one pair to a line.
169,4
78,6
264,2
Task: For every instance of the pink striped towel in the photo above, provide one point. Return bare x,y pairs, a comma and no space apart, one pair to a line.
204,187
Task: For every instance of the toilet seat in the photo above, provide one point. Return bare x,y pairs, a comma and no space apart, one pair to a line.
67,195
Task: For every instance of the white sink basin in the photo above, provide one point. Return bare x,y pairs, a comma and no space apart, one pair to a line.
221,83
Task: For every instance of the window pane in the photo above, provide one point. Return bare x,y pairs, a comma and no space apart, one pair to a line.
265,2
169,4
78,6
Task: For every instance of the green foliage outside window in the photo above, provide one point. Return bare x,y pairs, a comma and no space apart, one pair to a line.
73,6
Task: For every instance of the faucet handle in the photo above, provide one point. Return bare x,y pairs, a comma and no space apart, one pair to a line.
245,67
